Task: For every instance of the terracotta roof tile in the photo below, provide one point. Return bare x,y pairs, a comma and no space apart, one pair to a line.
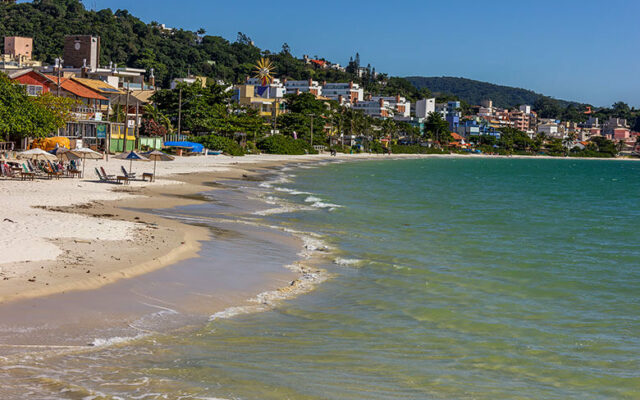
76,88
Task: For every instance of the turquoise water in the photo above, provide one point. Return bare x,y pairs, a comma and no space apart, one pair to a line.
453,279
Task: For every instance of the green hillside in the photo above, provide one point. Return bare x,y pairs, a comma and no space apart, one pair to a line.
473,92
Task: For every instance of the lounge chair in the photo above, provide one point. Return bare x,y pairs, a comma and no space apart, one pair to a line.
104,177
129,175
107,176
26,174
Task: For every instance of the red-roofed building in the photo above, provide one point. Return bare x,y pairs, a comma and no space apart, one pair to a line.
319,63
35,83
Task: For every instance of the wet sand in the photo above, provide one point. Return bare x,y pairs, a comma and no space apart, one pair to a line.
216,263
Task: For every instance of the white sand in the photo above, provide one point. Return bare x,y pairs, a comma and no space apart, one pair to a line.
26,230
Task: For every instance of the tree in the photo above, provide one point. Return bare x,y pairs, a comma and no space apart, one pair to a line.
24,116
438,128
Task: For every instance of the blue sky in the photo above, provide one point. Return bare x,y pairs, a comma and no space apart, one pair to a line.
577,50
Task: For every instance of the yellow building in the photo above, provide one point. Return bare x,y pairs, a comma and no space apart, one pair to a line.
245,95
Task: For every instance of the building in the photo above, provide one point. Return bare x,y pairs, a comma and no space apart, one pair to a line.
399,105
425,107
380,108
18,52
308,86
17,46
190,80
549,129
616,129
246,95
344,93
81,51
275,89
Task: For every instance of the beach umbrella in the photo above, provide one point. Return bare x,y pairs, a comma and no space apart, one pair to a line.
64,154
86,154
131,156
156,156
36,154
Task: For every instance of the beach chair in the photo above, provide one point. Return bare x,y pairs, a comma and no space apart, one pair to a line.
107,176
51,173
129,175
26,174
104,177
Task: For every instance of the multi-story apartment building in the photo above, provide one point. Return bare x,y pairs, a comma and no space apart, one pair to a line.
400,106
375,108
616,129
425,107
344,93
308,86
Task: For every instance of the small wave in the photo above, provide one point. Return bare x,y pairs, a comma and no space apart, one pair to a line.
330,206
309,278
102,342
230,312
290,191
277,210
312,199
348,262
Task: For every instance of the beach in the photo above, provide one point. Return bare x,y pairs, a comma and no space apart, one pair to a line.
76,234
79,234
193,281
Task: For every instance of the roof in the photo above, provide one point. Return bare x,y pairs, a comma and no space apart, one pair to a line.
98,85
318,62
456,136
76,88
143,95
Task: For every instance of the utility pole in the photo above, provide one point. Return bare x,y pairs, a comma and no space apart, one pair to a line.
137,129
59,62
108,130
275,116
126,121
311,140
179,112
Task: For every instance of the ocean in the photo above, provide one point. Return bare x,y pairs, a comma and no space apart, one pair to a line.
448,278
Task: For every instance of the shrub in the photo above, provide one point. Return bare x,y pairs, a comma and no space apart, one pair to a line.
226,145
281,144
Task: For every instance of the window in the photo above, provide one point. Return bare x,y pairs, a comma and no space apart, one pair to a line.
34,90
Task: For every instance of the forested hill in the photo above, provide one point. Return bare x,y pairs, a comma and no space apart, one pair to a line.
473,92
127,40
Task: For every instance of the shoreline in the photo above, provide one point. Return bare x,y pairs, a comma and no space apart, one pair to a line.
152,234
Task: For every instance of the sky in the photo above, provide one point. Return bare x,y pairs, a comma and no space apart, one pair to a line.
584,50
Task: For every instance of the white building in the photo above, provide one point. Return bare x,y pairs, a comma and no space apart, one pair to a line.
375,108
343,92
525,108
425,107
400,106
308,86
549,129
